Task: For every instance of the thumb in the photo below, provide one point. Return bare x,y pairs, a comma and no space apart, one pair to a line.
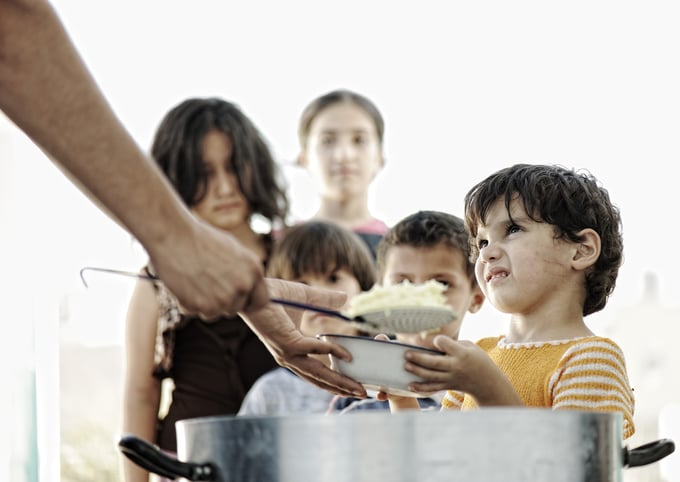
444,343
327,298
259,296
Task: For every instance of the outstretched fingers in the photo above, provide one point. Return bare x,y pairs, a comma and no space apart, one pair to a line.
320,375
314,371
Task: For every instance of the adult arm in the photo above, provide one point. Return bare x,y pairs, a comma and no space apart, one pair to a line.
48,92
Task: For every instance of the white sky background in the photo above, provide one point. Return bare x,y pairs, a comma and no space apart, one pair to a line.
466,88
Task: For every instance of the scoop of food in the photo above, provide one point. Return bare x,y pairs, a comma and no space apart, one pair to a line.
404,307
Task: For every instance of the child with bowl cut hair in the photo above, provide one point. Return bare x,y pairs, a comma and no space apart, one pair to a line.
548,247
322,255
424,246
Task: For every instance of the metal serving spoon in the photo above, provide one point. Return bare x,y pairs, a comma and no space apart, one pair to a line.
280,301
406,319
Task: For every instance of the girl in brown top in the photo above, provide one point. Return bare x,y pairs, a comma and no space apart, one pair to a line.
221,166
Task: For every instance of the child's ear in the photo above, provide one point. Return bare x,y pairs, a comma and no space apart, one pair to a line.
477,300
381,165
301,160
587,250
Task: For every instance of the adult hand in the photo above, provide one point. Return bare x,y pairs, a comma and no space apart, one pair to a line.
209,272
465,367
278,327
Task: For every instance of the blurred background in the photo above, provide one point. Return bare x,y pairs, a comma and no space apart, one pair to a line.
465,88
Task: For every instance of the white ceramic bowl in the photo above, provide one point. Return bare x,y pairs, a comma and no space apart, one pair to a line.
377,364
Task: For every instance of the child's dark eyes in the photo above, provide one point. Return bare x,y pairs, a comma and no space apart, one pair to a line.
327,140
513,228
211,172
360,140
401,279
447,284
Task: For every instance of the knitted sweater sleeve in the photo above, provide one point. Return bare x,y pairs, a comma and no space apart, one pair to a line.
591,375
452,400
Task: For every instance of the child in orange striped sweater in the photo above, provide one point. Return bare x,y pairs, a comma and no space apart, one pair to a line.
548,248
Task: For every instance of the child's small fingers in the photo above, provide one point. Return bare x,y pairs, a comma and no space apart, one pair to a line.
427,387
382,396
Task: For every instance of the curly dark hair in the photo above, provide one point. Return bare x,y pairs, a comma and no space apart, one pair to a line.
177,149
321,247
570,200
427,229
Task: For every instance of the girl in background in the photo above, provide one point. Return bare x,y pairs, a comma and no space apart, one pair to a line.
222,168
341,147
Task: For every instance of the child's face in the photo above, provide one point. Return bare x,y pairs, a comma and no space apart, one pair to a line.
223,205
521,267
343,152
313,323
443,264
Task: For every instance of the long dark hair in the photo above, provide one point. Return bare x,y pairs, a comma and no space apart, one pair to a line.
177,148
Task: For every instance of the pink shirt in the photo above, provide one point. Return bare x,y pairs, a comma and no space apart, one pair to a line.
374,226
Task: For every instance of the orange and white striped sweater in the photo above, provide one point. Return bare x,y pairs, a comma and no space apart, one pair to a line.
581,374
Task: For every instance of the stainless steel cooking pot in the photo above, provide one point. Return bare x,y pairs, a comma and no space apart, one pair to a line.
494,444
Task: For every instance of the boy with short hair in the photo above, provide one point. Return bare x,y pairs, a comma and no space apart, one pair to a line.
426,245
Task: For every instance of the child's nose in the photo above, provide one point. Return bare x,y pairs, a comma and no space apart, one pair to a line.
489,252
345,151
224,183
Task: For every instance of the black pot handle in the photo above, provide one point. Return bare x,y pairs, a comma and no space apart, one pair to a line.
151,458
647,453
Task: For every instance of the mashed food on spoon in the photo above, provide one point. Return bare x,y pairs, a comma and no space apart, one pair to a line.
402,295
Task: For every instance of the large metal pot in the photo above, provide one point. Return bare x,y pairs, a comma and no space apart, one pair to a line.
498,444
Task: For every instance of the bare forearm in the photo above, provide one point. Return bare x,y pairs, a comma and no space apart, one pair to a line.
48,92
140,419
401,404
496,391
